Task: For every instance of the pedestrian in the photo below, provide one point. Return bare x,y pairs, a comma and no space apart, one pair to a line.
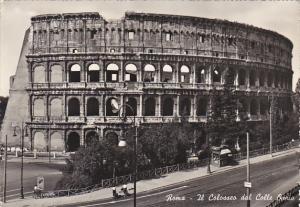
125,190
115,194
37,191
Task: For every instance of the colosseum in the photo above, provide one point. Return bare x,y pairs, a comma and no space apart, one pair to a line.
73,65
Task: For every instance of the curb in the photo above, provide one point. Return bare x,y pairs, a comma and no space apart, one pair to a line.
220,171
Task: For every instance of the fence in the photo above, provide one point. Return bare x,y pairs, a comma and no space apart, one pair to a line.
106,183
278,148
280,201
148,174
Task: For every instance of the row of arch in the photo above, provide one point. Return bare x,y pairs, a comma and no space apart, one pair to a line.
116,35
167,74
71,143
152,106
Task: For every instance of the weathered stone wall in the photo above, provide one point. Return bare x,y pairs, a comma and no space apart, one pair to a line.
73,65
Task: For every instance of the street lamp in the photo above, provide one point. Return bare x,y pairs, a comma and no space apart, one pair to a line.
123,143
24,133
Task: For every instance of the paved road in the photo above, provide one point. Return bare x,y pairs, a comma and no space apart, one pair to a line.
268,177
50,172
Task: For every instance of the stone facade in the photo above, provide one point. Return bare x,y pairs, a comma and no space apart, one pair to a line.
73,65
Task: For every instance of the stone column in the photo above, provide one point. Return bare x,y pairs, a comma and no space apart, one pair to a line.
139,72
82,137
121,71
122,103
194,107
236,78
176,108
159,69
141,105
47,108
30,73
82,108
193,74
48,36
66,73
101,71
209,75
30,107
177,73
47,137
238,118
65,111
247,78
82,71
258,109
256,78
100,99
158,106
248,108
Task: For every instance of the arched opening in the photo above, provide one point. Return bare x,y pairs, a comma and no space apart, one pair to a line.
184,74
132,110
229,76
167,74
56,107
130,73
92,107
270,79
91,137
149,73
167,107
39,107
149,107
201,76
39,74
112,138
73,142
253,107
276,80
112,73
242,77
93,73
252,78
39,142
110,107
74,75
263,107
74,107
185,107
56,74
201,107
262,79
57,142
217,75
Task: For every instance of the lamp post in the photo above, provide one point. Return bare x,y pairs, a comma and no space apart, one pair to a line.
23,130
5,170
271,135
123,143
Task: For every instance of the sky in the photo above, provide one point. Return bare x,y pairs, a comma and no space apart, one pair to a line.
280,16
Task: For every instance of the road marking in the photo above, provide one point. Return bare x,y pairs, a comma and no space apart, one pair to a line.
111,202
10,190
18,194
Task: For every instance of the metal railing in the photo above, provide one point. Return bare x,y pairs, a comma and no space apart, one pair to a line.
280,201
157,172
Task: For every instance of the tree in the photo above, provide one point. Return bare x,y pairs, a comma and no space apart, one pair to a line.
92,163
222,124
3,104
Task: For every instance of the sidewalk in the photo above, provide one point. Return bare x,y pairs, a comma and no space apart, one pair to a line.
143,185
57,160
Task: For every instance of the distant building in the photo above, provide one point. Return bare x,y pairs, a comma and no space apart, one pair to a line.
72,65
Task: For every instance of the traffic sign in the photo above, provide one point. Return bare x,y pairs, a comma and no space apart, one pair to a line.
248,184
